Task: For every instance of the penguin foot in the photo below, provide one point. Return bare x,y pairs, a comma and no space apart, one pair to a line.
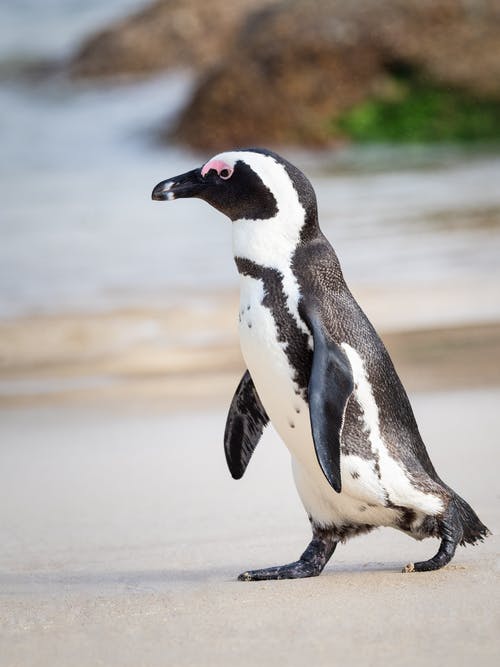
451,533
441,559
298,570
310,564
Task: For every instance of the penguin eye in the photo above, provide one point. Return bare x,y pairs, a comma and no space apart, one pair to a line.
225,174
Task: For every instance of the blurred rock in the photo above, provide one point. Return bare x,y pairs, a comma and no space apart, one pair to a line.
168,33
456,42
297,65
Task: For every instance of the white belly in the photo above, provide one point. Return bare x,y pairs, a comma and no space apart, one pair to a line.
364,493
361,500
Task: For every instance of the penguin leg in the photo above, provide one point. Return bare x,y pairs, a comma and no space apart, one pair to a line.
310,564
451,533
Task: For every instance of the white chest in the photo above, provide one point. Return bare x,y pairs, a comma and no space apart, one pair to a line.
266,359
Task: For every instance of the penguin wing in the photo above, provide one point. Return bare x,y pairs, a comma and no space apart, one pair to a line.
245,423
330,386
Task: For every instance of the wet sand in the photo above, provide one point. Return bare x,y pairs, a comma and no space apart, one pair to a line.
177,356
123,535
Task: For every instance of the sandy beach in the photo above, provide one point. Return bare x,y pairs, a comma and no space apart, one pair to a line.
123,533
189,354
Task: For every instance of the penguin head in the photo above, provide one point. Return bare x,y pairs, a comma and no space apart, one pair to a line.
250,184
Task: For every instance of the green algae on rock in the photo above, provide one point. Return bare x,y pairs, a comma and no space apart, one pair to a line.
298,67
309,72
417,111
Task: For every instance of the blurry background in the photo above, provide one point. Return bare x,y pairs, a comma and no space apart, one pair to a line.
118,340
392,109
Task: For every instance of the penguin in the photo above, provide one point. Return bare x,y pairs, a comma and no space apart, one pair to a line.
318,371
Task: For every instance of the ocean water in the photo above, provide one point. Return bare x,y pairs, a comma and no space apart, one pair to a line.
78,230
34,30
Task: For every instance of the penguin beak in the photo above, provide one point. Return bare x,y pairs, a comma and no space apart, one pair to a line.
189,184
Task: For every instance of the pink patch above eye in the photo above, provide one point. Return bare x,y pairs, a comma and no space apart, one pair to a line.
222,168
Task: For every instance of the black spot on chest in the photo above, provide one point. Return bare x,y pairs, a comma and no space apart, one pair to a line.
296,342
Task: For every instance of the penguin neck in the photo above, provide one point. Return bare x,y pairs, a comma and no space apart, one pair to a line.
272,242
264,250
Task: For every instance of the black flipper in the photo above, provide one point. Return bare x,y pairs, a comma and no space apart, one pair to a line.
330,385
245,423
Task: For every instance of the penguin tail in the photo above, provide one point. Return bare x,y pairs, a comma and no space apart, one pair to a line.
474,530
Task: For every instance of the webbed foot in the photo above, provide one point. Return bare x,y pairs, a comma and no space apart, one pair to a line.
310,564
451,533
298,570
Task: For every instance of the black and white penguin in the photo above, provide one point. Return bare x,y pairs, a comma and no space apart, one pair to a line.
319,372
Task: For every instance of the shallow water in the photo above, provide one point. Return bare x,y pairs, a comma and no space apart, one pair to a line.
79,231
31,30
